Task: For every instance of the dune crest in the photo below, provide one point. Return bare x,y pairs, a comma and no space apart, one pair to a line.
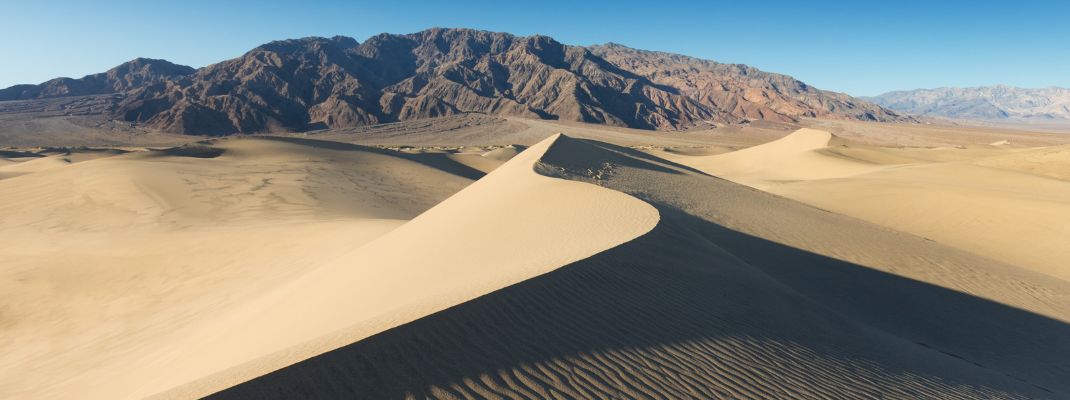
795,157
511,225
734,294
287,267
997,203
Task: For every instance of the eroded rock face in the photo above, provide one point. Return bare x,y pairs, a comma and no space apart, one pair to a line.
315,83
736,92
129,75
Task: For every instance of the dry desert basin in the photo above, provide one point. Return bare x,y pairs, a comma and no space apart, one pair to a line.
477,257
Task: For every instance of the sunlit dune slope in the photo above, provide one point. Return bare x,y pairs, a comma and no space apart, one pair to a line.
795,157
734,294
450,253
999,203
103,260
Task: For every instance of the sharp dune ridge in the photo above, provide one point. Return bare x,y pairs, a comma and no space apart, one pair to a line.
735,293
443,274
375,273
565,266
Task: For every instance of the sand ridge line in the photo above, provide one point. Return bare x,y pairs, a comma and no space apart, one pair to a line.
520,224
734,294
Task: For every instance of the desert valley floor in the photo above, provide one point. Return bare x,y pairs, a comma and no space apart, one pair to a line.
482,257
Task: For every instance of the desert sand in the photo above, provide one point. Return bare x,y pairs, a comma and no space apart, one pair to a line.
101,256
992,200
511,261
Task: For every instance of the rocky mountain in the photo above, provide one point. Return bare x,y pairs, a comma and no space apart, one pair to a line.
130,75
314,83
985,103
736,92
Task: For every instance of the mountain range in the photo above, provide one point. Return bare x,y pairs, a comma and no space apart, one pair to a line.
999,102
315,83
130,75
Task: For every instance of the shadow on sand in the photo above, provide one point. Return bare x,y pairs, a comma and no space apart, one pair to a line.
696,310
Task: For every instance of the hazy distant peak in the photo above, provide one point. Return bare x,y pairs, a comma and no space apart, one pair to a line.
994,102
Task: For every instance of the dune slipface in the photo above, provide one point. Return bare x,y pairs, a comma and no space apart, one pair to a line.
734,294
292,268
509,226
460,214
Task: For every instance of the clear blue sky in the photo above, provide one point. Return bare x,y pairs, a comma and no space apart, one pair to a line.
859,47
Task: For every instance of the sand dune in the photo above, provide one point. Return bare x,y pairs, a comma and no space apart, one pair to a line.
103,259
999,203
26,162
295,268
494,233
1003,215
505,153
1050,162
31,166
486,161
798,156
735,293
939,134
376,286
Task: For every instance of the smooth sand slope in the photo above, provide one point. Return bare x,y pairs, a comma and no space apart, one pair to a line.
994,201
289,268
734,294
795,157
509,226
938,133
105,260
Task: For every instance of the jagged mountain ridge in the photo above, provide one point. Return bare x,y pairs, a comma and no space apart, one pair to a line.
129,75
738,91
311,83
997,102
